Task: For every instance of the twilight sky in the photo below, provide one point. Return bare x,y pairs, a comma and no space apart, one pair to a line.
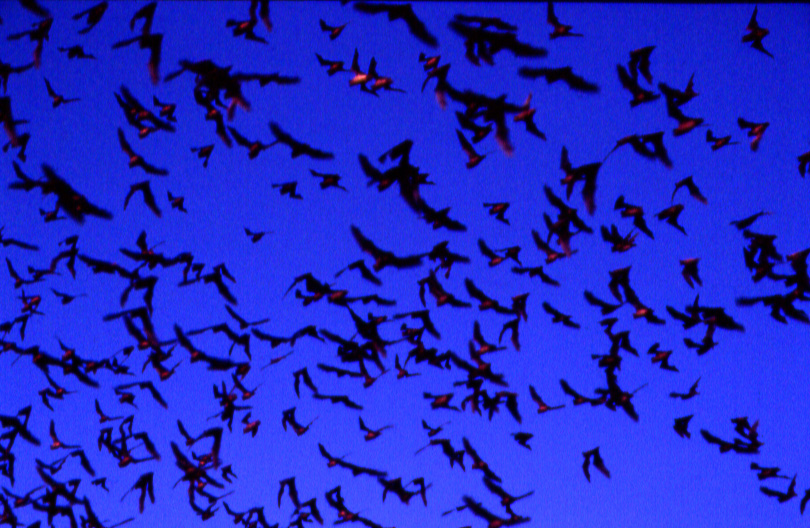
656,477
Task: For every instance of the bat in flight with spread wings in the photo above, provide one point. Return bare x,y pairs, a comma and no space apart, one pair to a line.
298,148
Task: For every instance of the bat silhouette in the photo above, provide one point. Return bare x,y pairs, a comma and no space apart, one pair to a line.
560,30
136,160
92,16
297,148
755,34
640,95
564,74
681,426
402,12
598,463
384,258
148,198
58,99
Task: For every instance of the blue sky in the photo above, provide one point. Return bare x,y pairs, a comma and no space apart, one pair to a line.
657,478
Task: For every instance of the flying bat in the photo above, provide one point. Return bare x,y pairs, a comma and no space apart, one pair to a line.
402,12
565,74
298,148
